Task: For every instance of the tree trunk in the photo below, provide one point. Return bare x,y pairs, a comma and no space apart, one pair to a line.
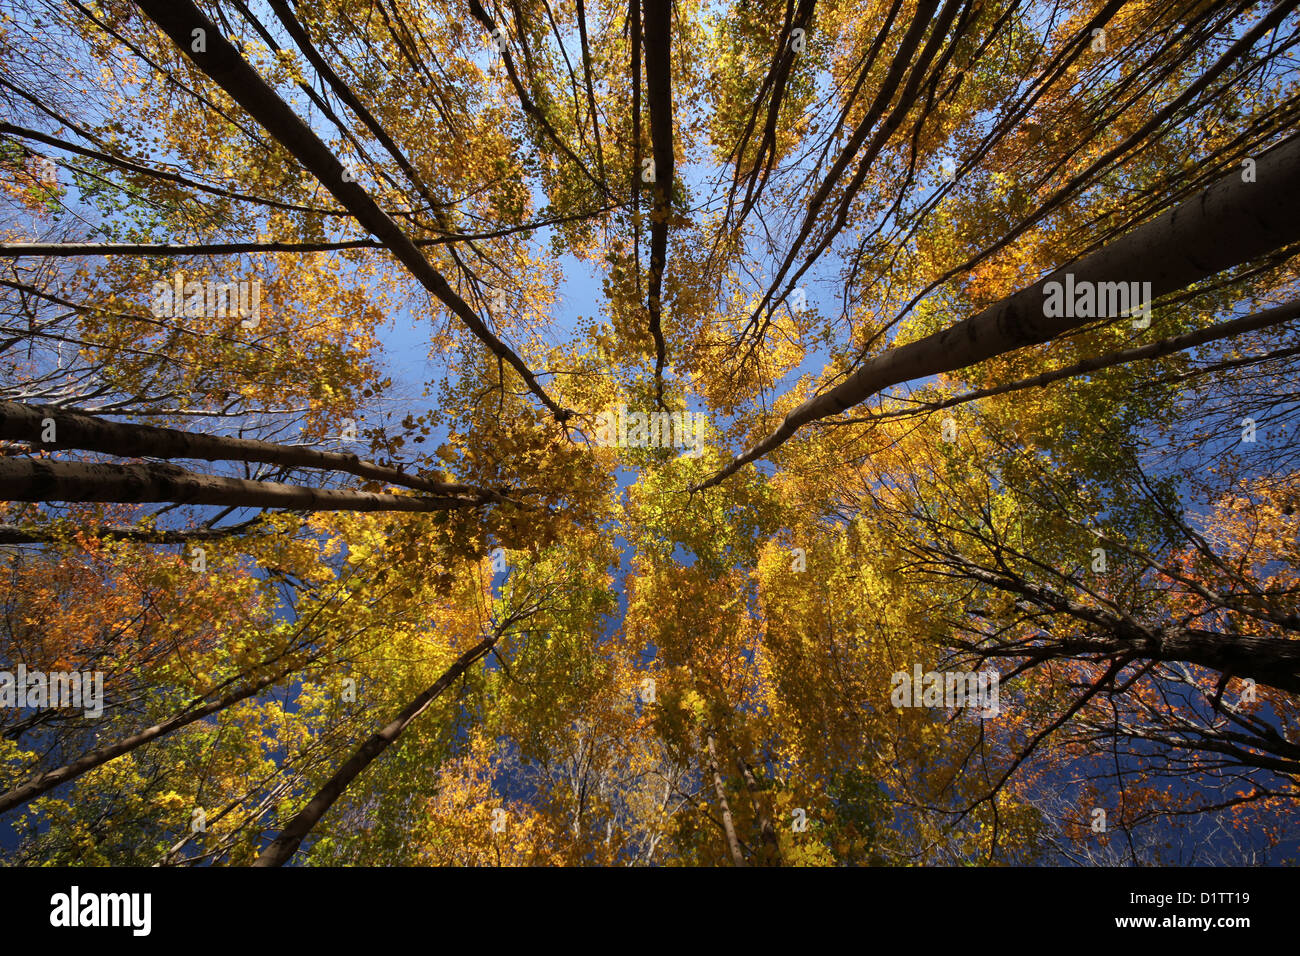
40,479
1174,343
728,826
771,845
72,429
286,844
228,69
659,93
634,43
1271,661
1229,223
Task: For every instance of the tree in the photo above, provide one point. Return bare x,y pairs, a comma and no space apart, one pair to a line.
918,337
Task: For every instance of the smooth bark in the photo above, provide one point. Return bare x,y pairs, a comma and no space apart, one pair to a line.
728,825
229,70
72,429
286,844
1229,223
41,479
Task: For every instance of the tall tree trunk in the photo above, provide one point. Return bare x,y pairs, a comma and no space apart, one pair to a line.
758,800
591,89
228,69
659,92
22,422
1173,343
525,101
286,844
634,42
728,825
40,479
1229,223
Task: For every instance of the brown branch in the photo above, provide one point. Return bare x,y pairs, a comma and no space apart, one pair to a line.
228,69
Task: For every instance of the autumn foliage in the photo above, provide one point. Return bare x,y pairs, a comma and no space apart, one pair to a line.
370,578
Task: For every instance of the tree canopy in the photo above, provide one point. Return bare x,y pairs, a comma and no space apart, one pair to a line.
540,432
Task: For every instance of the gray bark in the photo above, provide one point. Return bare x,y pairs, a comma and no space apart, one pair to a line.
1229,223
286,844
229,70
41,479
724,806
20,422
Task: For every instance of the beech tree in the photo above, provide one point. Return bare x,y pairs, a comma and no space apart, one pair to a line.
552,432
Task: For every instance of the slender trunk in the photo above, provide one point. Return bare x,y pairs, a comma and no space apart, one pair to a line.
659,93
757,800
302,38
40,479
286,844
526,101
634,43
52,778
1229,223
72,429
777,78
905,57
728,826
591,90
229,70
